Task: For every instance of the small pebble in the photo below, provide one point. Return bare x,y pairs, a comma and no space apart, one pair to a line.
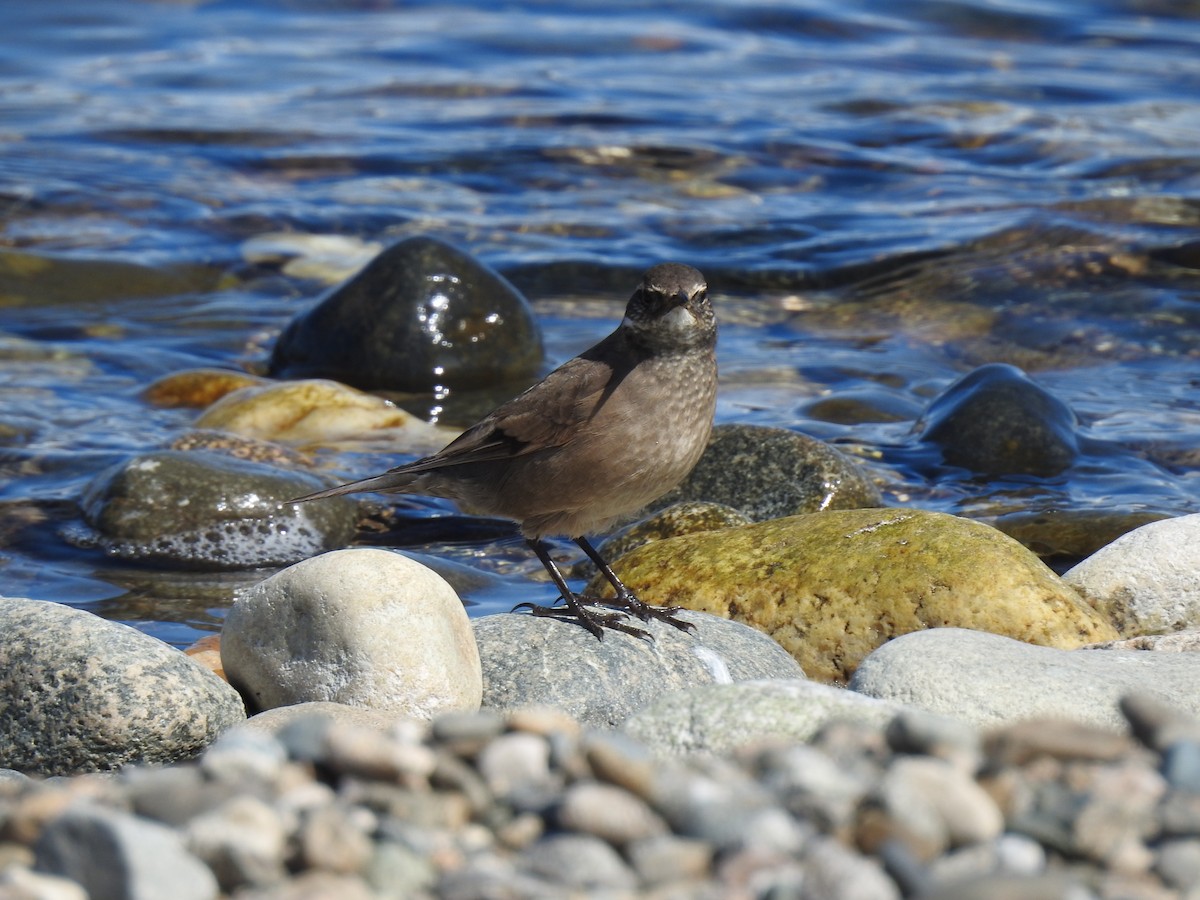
609,813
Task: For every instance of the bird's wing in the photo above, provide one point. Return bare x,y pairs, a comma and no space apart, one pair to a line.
545,416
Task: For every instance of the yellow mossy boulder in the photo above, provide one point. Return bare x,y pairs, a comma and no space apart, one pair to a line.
832,586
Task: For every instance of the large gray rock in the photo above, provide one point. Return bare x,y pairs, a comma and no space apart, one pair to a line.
420,316
1147,580
718,718
78,693
211,511
530,660
116,856
364,627
991,680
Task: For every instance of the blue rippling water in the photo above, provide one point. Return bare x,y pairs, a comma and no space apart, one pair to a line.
858,179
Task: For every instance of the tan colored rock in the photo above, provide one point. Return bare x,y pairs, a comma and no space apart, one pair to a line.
207,652
315,411
832,586
197,388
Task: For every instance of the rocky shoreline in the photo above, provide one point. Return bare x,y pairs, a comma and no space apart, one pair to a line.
875,702
532,804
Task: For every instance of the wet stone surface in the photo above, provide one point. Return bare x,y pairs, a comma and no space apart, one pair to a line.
421,315
209,511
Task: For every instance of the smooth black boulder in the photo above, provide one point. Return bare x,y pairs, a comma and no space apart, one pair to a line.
422,316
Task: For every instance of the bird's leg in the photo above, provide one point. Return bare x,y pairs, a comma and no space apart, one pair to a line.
592,620
626,598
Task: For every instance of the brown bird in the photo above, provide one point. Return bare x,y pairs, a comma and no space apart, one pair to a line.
599,437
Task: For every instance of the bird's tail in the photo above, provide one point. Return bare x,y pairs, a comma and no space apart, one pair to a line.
388,481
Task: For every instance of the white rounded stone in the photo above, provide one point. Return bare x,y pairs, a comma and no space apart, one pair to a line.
364,627
1148,580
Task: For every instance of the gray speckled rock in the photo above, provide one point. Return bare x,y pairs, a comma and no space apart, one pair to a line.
211,511
116,855
719,718
365,627
990,680
422,314
1147,580
767,473
531,660
78,693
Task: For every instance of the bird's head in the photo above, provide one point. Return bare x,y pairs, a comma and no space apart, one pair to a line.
669,311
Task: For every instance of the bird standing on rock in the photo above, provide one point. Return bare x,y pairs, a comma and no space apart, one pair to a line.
599,437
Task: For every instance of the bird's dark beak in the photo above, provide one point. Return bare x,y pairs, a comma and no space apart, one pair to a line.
680,298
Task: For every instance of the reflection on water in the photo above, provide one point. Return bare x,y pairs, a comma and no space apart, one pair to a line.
883,196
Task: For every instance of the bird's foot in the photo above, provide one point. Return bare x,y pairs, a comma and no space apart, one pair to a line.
594,620
628,600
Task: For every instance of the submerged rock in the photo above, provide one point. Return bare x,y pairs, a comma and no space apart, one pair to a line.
1062,533
364,627
81,694
832,586
766,473
546,661
31,279
210,511
421,316
996,421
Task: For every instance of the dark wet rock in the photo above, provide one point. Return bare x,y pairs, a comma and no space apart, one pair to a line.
79,693
679,518
1071,534
996,421
863,406
719,718
421,315
1185,255
210,511
365,627
535,660
766,473
969,675
832,586
114,854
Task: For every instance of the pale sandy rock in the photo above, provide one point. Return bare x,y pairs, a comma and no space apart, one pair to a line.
363,627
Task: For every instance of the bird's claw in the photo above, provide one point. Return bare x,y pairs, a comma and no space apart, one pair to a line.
626,599
593,620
